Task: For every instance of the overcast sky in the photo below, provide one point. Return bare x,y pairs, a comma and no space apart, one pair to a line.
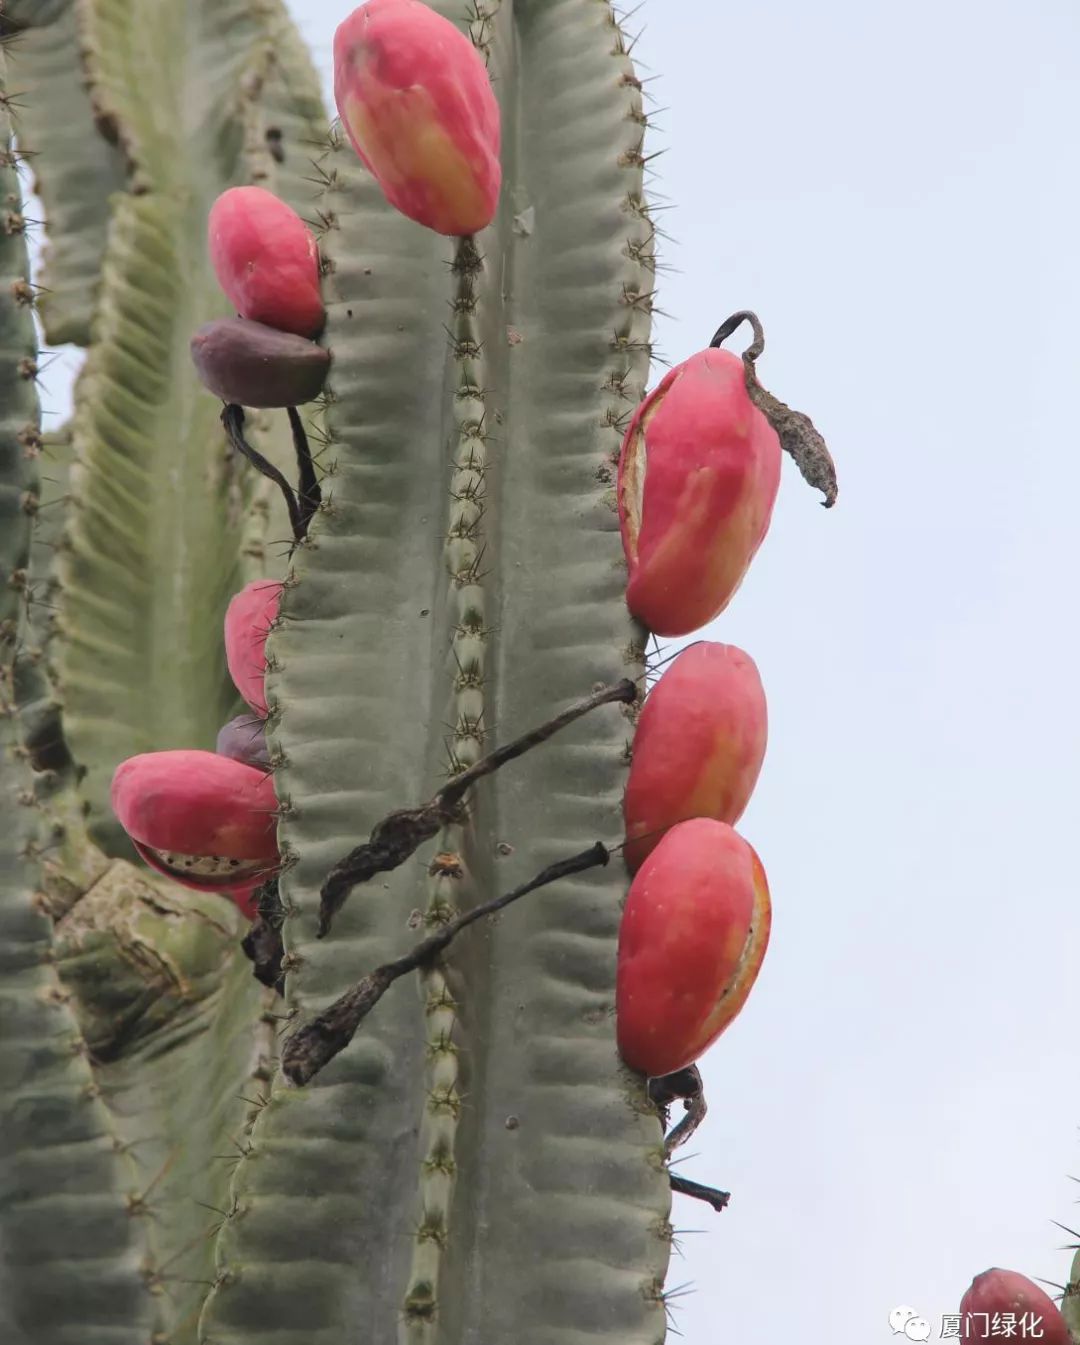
894,190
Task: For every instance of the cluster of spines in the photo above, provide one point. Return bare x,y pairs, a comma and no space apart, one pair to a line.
624,379
451,885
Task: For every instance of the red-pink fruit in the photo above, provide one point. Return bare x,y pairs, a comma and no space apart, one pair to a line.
693,934
698,477
204,820
416,102
266,260
247,624
698,745
246,898
1003,1303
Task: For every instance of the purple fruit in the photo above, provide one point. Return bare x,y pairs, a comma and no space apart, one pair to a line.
244,739
250,364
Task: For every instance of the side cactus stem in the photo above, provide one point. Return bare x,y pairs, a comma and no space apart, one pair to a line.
68,1258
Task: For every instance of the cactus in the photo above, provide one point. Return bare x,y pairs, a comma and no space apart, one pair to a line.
465,569
239,1160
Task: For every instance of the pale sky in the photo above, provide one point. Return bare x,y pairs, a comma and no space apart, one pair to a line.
894,190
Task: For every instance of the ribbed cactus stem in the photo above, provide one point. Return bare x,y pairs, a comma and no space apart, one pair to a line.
451,883
64,1165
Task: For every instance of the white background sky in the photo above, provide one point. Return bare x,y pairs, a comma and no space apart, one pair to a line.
894,190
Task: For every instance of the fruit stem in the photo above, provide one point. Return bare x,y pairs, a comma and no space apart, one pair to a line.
796,432
233,419
310,493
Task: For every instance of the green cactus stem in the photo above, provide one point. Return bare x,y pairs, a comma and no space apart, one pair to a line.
488,1169
61,1172
76,169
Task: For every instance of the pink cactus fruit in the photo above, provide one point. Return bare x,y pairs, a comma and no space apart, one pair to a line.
266,260
698,746
691,942
1005,1303
698,476
246,898
417,104
247,624
204,820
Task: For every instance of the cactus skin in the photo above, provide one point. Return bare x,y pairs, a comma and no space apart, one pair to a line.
698,747
694,932
204,820
698,477
998,1291
416,102
266,260
255,365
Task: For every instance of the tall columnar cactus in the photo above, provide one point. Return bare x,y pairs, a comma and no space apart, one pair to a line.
491,1169
478,1165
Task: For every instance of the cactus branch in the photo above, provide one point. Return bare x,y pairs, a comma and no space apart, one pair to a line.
316,1044
400,834
796,432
